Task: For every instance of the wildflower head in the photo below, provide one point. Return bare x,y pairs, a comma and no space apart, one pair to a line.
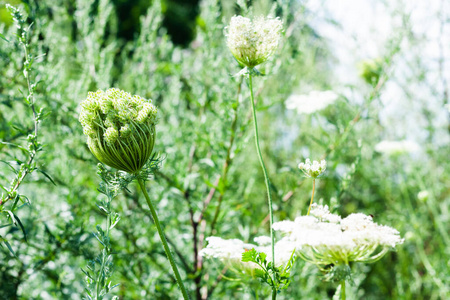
120,128
314,169
394,148
311,102
230,253
253,42
423,195
325,239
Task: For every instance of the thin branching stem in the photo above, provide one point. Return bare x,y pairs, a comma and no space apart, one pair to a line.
228,159
32,153
163,240
98,286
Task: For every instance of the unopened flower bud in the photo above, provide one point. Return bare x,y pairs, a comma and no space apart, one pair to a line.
120,128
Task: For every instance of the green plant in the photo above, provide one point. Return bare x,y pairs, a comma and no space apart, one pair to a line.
121,133
99,270
24,164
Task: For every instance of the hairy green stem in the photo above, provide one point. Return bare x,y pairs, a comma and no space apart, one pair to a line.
98,288
163,240
266,178
312,196
343,289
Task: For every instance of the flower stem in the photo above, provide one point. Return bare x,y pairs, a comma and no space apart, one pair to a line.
98,288
163,240
266,178
343,289
312,196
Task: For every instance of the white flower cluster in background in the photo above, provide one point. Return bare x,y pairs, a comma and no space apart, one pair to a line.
423,195
396,147
253,42
230,252
225,250
312,102
325,239
314,169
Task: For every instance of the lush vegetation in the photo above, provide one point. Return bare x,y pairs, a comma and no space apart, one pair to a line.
64,237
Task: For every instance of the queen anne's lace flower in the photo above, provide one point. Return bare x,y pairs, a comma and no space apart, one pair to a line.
230,252
120,128
323,214
396,147
423,195
253,42
312,102
325,239
314,169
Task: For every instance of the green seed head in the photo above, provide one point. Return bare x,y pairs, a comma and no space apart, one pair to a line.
120,128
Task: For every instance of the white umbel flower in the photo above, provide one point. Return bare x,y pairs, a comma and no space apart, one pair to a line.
312,102
253,42
230,252
314,169
423,195
323,214
225,250
325,239
397,147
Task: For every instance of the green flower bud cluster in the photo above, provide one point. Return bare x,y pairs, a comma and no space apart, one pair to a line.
120,128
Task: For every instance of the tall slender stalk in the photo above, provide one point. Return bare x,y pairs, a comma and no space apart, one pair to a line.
312,196
163,240
98,285
266,177
343,289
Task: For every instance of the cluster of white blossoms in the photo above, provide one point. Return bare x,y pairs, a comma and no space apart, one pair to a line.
230,252
120,128
312,102
396,147
326,239
253,42
423,195
314,169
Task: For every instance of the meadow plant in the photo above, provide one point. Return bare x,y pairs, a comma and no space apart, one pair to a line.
249,261
120,128
24,165
252,42
121,133
332,243
100,269
312,170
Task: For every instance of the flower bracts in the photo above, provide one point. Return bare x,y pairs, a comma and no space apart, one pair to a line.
120,128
